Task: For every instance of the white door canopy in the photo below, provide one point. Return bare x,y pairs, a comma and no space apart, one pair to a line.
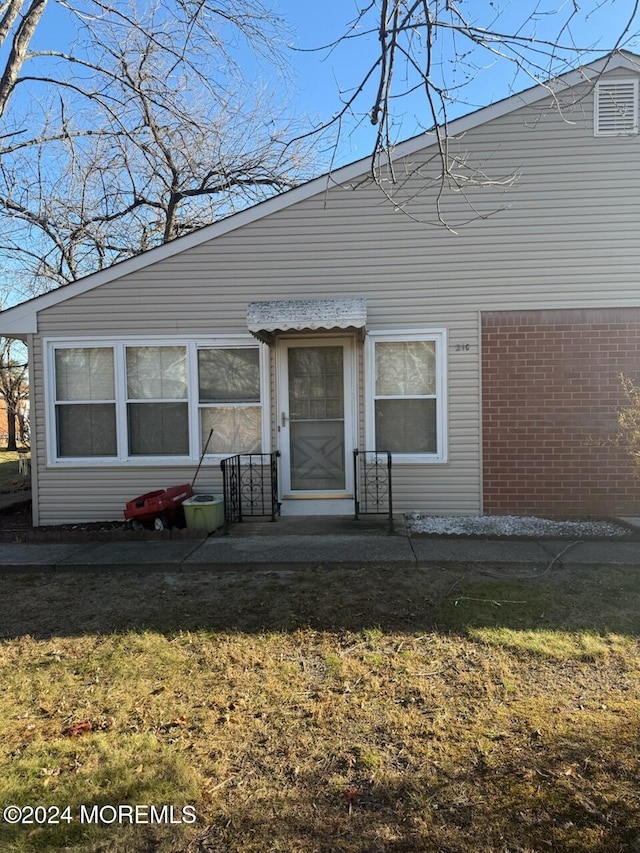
265,319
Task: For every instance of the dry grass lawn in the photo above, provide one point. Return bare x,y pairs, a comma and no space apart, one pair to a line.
330,712
9,476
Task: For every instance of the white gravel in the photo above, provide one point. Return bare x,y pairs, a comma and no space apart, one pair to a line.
510,525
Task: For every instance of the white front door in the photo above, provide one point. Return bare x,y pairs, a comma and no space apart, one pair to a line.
316,424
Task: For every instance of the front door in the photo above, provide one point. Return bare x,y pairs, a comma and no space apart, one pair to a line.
316,414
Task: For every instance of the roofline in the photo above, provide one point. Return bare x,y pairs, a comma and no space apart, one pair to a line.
22,318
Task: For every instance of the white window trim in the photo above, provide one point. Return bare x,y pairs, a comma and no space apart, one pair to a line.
596,107
439,337
264,401
119,343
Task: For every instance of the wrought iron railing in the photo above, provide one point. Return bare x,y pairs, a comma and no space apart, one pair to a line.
372,485
250,486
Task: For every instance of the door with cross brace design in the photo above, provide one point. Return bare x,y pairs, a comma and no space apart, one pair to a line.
315,418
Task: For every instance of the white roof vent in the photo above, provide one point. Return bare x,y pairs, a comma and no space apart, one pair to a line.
616,107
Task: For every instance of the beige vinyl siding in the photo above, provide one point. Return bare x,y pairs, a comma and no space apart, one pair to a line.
37,417
35,369
84,493
88,493
563,235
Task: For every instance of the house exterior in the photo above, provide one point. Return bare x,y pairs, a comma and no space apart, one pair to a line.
484,355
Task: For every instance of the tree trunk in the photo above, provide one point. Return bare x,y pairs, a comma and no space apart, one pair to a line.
19,50
11,428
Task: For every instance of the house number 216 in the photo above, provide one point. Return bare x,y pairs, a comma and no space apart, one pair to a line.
463,347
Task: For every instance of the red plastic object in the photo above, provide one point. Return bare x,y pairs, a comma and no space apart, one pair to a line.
165,502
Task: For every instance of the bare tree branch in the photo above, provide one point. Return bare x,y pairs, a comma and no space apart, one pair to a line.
9,12
429,45
19,48
142,134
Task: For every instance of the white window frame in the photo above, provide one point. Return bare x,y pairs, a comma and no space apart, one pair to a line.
119,344
152,400
264,387
69,403
439,338
596,107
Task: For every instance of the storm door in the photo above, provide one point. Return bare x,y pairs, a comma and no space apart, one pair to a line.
316,417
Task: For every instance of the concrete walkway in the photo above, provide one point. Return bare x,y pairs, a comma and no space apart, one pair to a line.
311,543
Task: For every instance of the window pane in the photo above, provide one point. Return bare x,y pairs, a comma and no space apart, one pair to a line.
406,426
156,373
236,429
158,429
316,383
84,374
86,430
405,367
229,375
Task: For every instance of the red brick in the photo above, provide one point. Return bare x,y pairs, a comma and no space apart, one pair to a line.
549,389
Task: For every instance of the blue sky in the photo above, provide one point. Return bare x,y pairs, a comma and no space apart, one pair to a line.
321,75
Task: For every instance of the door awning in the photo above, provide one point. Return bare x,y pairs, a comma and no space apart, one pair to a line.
264,319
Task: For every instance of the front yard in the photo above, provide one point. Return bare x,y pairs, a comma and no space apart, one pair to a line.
328,712
10,477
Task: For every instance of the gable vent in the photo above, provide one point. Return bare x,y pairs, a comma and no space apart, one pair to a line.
616,108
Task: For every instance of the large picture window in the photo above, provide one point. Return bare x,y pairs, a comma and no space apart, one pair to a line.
139,402
406,406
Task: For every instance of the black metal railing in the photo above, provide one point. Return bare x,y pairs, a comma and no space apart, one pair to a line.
250,486
372,484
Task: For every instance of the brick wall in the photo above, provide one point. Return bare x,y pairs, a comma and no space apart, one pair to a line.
3,423
550,392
